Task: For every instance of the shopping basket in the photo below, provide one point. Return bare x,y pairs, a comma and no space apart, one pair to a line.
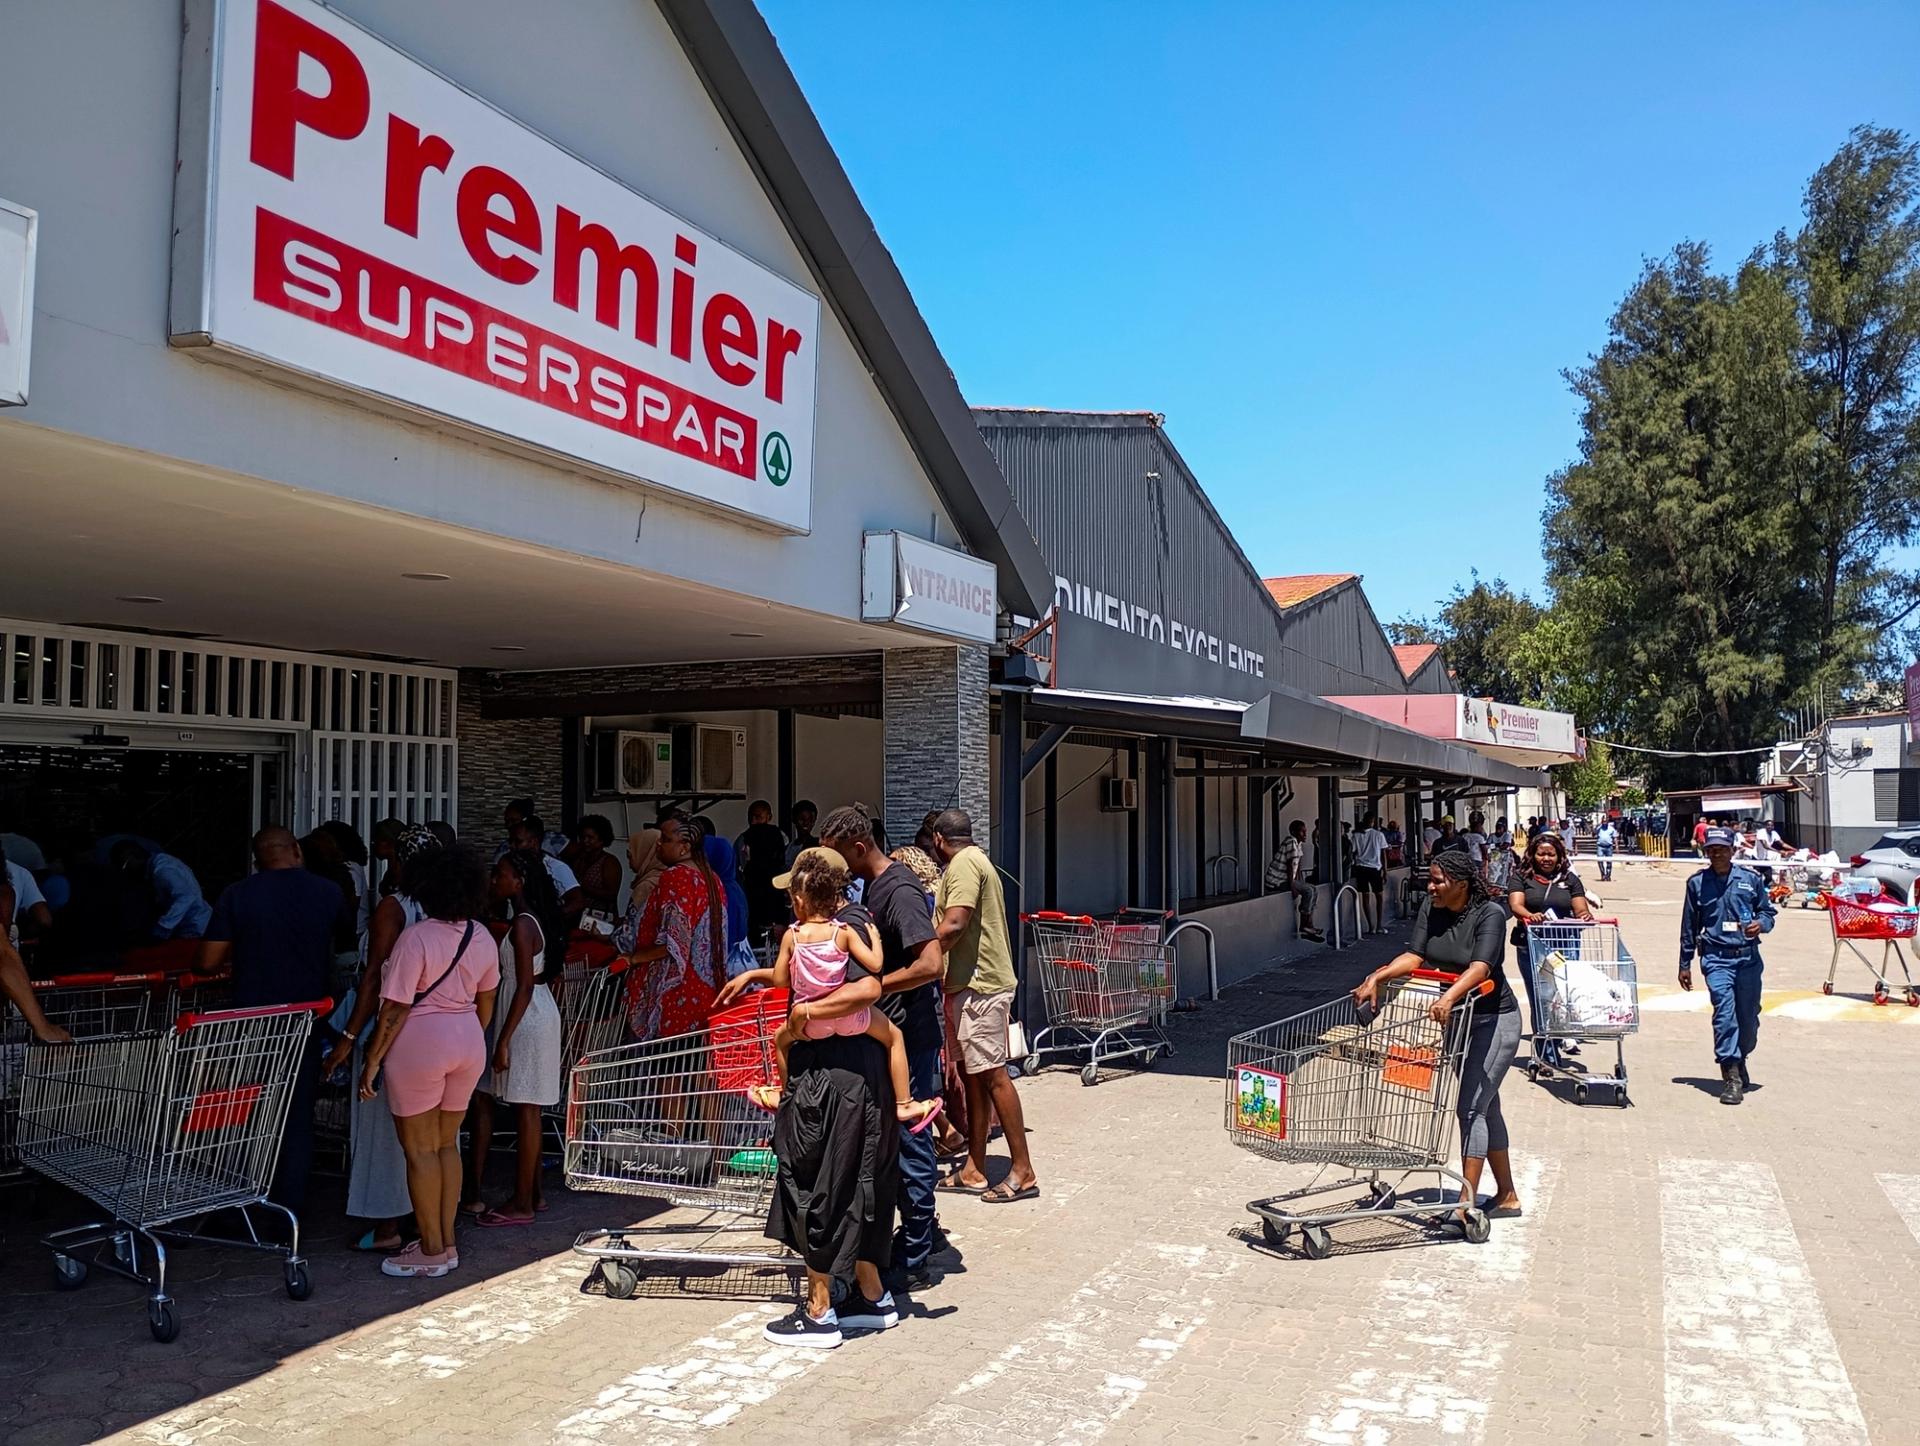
670,1119
161,1128
1883,921
1108,986
1586,991
85,1005
1369,1091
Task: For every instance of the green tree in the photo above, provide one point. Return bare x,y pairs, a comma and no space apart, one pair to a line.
1671,542
1480,630
1588,782
1854,275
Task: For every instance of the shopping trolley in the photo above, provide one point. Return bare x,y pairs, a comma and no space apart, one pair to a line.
593,1017
1883,921
1108,986
1586,991
670,1119
1372,1091
160,1129
200,993
85,1005
1807,881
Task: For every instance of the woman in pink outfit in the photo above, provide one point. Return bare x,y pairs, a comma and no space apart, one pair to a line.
436,1001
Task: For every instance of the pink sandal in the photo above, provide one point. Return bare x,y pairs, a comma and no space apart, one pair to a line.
496,1218
928,1118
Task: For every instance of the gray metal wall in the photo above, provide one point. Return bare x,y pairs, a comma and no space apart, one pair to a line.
1114,506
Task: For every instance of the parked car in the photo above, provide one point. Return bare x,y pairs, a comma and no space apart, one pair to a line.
1895,861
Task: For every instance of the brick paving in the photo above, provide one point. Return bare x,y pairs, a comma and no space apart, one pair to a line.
1684,1272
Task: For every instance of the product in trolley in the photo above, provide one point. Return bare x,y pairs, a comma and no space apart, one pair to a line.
1585,989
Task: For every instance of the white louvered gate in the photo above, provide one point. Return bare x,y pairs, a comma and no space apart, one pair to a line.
370,740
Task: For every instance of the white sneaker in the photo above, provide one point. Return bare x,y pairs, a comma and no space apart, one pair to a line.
413,1262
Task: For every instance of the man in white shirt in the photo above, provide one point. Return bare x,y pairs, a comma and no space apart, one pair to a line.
529,835
1476,839
1369,874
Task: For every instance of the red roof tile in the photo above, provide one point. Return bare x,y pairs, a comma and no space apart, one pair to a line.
1292,591
1413,656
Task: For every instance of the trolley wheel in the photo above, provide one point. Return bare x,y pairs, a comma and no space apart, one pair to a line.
1620,1097
1030,1065
299,1283
69,1273
621,1279
1316,1242
1580,1094
1477,1227
1879,994
1275,1233
1090,1074
1913,999
161,1320
1533,1070
1827,988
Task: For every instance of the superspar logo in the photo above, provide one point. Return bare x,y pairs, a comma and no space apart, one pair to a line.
387,206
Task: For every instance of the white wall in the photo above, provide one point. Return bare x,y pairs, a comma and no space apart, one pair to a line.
1839,811
88,98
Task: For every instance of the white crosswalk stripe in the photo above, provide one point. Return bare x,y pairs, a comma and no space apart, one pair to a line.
1073,1376
1749,1355
1442,1332
1903,1192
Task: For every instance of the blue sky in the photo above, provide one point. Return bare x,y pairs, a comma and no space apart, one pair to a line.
1346,249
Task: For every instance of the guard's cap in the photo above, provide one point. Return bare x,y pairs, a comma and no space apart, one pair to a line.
1719,838
785,881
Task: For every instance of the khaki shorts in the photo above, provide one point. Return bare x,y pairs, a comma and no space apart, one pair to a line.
981,1030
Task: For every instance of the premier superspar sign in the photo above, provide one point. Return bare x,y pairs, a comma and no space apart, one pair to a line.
347,213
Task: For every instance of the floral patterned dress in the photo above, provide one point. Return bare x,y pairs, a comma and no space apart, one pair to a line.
675,994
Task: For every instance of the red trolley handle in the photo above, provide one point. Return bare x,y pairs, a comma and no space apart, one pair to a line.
263,1011
1048,916
88,981
1580,923
1485,986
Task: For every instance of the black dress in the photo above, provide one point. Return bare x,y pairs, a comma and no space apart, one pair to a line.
838,1145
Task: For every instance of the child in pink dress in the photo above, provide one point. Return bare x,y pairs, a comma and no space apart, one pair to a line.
813,965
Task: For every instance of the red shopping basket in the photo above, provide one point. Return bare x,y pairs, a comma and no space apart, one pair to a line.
1878,920
742,1040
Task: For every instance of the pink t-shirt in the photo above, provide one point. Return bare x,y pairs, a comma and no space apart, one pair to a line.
421,955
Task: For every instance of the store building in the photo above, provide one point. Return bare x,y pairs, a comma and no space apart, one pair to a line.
1848,783
428,413
1172,720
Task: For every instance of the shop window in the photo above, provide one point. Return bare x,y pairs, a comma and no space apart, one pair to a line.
22,670
77,675
1896,795
142,679
107,677
189,682
163,691
50,672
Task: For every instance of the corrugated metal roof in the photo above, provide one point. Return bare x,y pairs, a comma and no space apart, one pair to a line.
1288,592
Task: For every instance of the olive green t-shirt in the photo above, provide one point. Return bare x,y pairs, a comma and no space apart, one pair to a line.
980,959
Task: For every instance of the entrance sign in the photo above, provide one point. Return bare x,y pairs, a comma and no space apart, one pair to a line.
1509,726
348,214
922,585
18,229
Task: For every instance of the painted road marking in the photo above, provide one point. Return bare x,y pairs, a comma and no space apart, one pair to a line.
1443,1329
699,1386
1903,1192
1749,1355
1807,1006
1071,1378
431,1342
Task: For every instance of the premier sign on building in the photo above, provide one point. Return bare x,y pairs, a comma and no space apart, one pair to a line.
347,214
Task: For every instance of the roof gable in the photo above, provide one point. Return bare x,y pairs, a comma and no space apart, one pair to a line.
1288,592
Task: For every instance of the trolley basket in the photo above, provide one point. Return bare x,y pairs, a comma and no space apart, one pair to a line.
670,1119
1108,986
160,1129
86,1006
1859,921
1586,990
1372,1092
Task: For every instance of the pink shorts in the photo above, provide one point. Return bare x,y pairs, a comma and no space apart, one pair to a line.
435,1063
858,1022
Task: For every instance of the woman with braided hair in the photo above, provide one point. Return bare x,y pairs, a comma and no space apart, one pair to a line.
1461,930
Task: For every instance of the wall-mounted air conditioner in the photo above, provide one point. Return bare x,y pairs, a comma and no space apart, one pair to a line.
711,758
1119,795
631,763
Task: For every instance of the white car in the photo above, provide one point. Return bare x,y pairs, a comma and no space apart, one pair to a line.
1895,861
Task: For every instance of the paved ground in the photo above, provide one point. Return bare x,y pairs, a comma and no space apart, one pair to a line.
1684,1272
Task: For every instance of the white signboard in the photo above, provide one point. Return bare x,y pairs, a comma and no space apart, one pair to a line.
923,585
1510,726
18,229
347,213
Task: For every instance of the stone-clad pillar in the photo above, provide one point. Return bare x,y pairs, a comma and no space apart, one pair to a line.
936,737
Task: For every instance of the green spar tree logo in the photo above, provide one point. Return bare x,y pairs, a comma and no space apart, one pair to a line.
776,456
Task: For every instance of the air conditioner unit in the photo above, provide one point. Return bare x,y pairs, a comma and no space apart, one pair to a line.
711,758
631,763
1119,795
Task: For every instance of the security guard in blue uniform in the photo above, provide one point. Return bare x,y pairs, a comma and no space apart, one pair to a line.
1726,912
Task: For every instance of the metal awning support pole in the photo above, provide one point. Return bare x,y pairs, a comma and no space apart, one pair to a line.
1043,747
1010,837
1154,793
1133,894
